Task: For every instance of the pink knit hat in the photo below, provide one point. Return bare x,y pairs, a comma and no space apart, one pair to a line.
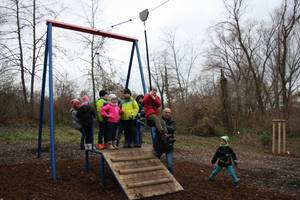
75,103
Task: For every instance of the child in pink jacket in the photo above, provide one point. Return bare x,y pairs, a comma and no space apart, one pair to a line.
112,113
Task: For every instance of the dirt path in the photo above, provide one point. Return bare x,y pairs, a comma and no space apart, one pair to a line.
22,176
31,181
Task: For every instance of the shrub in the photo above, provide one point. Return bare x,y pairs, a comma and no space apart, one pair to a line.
265,138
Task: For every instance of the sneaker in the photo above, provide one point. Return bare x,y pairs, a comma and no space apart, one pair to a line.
88,146
236,184
110,146
101,146
126,146
131,145
114,144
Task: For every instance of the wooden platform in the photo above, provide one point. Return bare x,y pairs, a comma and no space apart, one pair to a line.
140,173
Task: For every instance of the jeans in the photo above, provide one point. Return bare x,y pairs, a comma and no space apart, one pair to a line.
139,133
230,170
153,133
169,159
169,154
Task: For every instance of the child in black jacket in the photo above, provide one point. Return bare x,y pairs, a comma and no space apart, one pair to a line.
86,115
226,159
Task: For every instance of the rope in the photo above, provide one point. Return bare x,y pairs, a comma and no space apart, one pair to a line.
132,19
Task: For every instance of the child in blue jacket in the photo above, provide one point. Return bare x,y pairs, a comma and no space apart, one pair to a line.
225,158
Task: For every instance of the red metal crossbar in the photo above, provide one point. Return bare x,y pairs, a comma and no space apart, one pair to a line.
90,30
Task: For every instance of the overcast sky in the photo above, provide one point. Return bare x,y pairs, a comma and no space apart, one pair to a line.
191,18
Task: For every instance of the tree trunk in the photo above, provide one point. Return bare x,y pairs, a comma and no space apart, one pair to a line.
33,61
21,54
225,104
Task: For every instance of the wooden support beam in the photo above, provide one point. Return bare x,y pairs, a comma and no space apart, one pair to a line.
284,137
150,182
274,137
279,138
279,132
122,159
139,170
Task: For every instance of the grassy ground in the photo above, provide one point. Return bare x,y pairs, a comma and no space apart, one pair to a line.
245,142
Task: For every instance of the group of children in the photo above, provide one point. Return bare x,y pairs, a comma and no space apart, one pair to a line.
114,115
128,115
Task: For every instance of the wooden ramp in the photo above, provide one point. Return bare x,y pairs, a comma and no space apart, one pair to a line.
140,173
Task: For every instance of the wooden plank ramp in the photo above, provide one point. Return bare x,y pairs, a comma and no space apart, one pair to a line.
140,173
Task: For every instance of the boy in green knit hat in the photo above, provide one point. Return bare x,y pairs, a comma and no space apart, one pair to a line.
225,158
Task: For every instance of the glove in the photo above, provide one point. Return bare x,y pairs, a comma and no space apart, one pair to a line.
213,166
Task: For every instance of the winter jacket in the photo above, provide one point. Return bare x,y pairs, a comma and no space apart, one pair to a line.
171,126
86,115
130,109
140,117
75,120
112,112
99,105
164,143
151,105
225,156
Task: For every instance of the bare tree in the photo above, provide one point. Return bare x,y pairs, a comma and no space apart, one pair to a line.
177,58
182,59
94,43
289,16
23,40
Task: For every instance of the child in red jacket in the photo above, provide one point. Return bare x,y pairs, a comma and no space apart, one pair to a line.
112,113
152,104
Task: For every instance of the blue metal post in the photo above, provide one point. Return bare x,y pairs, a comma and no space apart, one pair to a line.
41,116
140,66
51,105
93,146
102,168
130,64
87,162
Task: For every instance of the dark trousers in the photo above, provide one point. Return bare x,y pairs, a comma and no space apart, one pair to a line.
129,131
88,133
120,133
110,131
101,132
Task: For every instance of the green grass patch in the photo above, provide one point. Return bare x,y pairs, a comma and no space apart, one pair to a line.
245,142
18,135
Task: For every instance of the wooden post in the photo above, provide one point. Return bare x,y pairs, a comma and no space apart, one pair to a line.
279,137
281,143
284,136
274,136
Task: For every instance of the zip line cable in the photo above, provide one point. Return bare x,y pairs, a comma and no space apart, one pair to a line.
159,5
132,19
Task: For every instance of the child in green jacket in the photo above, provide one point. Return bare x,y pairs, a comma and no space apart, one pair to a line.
130,109
225,158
